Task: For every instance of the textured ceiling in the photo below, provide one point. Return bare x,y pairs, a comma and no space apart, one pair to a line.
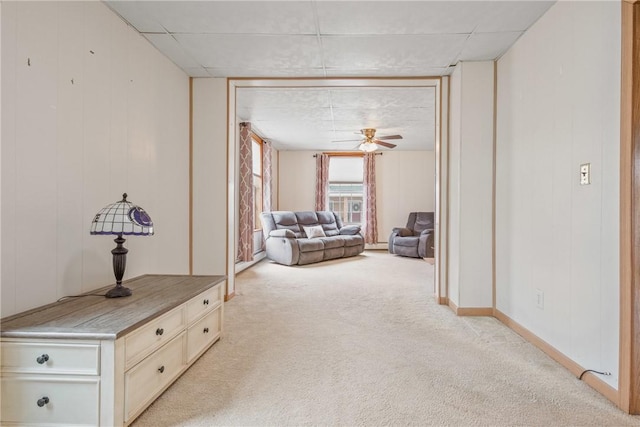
316,38
316,116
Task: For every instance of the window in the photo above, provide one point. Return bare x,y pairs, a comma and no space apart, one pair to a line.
346,189
345,199
257,180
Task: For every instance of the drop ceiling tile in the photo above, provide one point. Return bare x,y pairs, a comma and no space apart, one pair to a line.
166,44
512,15
390,115
252,51
379,97
361,115
219,17
277,97
350,128
392,51
307,114
487,45
141,15
197,72
399,17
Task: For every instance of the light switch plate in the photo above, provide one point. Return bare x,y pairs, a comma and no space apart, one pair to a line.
540,299
585,174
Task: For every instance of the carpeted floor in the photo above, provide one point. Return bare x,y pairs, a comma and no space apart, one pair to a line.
360,341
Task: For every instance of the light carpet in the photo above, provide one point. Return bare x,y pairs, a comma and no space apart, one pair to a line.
361,341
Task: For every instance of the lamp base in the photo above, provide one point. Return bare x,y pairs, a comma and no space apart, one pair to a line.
118,291
119,264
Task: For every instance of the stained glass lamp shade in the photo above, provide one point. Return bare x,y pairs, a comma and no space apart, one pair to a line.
122,218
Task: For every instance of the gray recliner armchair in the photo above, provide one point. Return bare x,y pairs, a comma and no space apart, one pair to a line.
416,239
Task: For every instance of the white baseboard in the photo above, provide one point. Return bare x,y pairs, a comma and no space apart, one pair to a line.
376,246
243,265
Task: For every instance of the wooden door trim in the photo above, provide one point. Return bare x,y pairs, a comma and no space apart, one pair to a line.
629,371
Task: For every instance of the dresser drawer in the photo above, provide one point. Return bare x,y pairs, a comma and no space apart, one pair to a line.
48,357
69,401
145,340
206,301
203,333
147,379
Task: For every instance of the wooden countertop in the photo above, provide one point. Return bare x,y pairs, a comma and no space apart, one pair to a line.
97,317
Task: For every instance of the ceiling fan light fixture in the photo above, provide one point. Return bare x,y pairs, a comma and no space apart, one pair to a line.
368,147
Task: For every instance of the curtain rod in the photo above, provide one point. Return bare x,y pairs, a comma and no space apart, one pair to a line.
347,154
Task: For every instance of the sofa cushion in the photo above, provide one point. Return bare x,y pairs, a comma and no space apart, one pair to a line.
310,257
354,240
406,241
287,220
306,218
328,221
423,221
410,251
350,230
332,242
310,245
333,253
353,250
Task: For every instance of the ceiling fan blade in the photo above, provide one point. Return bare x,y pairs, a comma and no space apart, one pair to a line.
347,140
384,144
389,137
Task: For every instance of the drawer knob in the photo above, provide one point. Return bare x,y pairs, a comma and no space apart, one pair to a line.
42,401
42,359
161,369
206,330
159,331
205,302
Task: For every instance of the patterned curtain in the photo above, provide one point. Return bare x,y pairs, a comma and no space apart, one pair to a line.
370,212
267,180
245,187
322,182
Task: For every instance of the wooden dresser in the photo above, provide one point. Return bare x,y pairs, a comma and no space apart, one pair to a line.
101,361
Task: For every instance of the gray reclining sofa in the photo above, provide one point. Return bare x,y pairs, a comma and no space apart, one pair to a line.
288,242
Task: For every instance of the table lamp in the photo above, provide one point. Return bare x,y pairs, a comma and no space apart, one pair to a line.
120,219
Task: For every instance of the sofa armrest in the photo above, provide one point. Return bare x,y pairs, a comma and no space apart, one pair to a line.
350,230
282,233
426,245
402,231
426,232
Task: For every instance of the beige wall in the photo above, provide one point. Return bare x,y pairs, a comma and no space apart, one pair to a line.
98,112
559,107
297,180
471,185
405,183
209,176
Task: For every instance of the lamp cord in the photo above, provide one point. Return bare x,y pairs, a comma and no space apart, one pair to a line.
595,372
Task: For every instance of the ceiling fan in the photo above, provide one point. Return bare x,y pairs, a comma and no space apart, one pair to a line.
370,143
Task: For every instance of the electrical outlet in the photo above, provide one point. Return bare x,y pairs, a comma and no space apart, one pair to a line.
539,299
585,174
